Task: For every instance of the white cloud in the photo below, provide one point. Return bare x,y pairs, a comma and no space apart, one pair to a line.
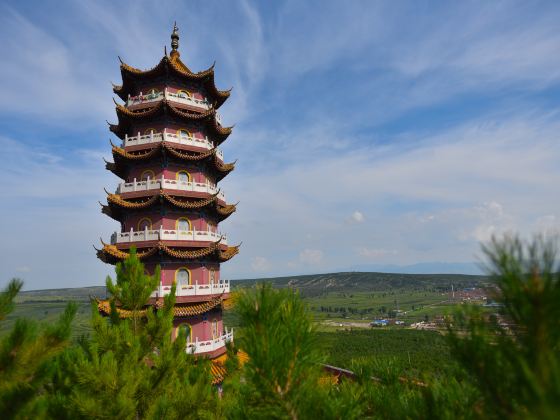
473,180
54,217
311,256
357,217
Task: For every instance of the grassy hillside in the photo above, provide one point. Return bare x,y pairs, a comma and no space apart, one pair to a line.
364,296
46,305
318,284
78,294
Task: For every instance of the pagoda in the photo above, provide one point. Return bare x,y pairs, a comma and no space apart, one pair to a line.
168,204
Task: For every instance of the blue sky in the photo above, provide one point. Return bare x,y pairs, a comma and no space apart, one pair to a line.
366,132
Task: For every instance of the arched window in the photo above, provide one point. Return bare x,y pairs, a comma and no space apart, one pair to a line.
183,224
149,131
145,223
213,277
182,277
147,174
184,133
183,176
186,329
184,94
215,329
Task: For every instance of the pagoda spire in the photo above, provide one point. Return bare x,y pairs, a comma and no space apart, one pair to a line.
175,39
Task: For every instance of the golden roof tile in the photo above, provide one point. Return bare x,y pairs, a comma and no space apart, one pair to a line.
179,310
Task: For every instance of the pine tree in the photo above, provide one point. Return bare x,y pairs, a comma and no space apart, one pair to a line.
130,368
133,286
26,356
513,355
282,378
7,297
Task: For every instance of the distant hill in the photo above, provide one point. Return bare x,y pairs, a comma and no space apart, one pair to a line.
435,267
314,284
79,294
309,285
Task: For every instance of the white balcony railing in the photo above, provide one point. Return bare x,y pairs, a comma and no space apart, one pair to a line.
141,139
172,184
179,97
194,289
196,346
166,235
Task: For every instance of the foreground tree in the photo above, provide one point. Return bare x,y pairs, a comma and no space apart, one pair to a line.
130,368
26,358
283,377
513,355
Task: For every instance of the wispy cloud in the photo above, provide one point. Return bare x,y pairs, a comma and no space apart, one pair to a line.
383,132
431,202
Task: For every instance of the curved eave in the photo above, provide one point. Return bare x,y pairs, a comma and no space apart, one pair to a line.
118,170
110,254
117,205
122,159
176,67
179,310
221,168
159,107
126,117
209,119
120,153
130,74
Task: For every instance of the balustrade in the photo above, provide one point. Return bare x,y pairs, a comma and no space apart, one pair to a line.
179,97
167,235
172,184
194,289
206,346
142,139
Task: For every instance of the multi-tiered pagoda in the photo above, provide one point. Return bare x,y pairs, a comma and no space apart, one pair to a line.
168,204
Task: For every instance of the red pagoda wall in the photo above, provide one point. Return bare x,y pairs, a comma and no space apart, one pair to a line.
201,325
172,128
169,221
197,175
199,274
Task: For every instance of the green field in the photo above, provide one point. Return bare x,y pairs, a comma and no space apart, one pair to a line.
408,352
410,306
46,305
367,296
